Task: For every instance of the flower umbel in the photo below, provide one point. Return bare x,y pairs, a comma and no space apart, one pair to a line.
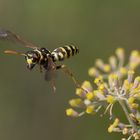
114,82
116,64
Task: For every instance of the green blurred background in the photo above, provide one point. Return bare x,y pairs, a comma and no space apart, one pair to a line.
29,110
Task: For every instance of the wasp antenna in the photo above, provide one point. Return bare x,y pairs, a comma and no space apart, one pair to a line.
14,52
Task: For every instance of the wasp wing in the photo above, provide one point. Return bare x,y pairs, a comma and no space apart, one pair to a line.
6,34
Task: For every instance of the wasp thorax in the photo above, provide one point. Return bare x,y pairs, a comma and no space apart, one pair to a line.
32,59
45,51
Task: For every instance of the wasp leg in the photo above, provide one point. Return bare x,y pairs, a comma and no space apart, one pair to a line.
53,85
50,77
65,69
40,68
51,80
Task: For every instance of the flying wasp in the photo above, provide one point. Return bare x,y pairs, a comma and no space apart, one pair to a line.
43,57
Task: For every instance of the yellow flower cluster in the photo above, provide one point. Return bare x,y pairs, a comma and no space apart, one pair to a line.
113,82
117,126
116,64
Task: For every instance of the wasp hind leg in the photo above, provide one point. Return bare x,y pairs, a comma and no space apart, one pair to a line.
66,70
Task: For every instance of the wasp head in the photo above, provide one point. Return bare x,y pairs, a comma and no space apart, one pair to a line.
31,59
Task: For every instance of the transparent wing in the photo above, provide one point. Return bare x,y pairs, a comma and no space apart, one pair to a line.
6,34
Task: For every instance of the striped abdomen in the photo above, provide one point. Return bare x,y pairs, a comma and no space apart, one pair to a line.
62,53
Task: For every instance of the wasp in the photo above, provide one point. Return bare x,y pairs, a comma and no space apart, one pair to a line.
44,58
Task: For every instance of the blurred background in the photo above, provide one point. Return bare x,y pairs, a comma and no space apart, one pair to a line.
29,110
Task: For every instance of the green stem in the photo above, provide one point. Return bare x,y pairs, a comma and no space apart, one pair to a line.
121,102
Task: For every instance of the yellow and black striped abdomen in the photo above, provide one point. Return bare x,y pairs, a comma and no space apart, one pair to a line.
62,53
